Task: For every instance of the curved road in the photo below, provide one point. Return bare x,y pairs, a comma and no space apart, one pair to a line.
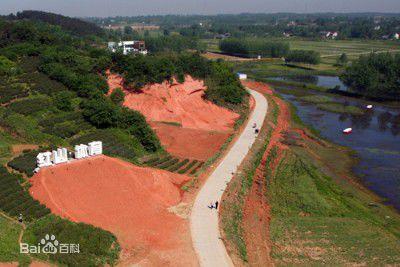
209,247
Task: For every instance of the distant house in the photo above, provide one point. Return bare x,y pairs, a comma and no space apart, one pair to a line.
396,36
128,47
329,35
287,34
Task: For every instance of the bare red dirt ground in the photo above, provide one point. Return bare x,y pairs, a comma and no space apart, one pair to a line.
189,143
256,214
202,126
130,201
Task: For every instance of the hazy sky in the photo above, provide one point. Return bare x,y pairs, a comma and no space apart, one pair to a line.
102,8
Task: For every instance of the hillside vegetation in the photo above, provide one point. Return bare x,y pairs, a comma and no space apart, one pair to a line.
53,92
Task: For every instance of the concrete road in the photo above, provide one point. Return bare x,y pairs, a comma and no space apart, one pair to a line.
203,221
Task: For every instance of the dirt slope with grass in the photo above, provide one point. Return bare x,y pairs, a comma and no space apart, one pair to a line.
187,125
130,201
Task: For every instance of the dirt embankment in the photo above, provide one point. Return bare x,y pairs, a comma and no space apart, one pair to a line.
256,211
130,201
187,125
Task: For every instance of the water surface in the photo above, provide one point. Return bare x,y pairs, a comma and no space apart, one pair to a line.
319,80
375,138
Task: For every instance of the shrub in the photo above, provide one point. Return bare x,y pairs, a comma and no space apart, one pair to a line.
117,96
63,100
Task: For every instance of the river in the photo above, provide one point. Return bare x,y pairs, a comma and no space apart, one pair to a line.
375,138
320,80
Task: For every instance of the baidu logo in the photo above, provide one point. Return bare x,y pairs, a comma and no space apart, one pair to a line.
49,245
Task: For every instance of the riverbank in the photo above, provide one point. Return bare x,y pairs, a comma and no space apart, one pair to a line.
318,213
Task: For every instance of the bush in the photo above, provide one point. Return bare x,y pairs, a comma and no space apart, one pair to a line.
117,96
304,56
63,100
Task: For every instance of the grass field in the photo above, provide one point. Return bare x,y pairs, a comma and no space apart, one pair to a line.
9,248
316,221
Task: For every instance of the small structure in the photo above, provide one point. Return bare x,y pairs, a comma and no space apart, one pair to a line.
396,36
242,76
369,106
128,47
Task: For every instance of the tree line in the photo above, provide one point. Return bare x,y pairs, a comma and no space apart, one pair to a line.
375,75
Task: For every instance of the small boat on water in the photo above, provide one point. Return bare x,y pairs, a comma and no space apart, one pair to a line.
347,130
369,106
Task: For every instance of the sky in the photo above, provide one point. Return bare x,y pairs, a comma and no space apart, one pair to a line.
105,8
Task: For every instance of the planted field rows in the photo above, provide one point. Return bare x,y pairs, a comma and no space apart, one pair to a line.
172,164
15,200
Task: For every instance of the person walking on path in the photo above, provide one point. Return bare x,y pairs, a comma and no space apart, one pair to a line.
216,205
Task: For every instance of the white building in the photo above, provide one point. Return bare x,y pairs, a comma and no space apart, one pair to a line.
128,47
396,36
242,76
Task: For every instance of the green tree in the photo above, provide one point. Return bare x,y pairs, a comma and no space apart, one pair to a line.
63,100
117,96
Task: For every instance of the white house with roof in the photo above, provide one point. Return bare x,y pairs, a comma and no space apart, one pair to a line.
128,47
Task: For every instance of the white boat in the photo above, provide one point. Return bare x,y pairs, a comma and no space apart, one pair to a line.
347,130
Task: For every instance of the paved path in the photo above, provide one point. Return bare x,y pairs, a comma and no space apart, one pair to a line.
204,222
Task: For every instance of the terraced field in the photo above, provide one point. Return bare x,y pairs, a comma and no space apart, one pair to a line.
174,164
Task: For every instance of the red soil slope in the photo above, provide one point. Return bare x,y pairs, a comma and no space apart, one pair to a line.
204,126
130,201
180,103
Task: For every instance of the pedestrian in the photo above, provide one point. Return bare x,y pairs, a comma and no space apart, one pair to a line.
20,218
211,206
216,205
256,131
254,125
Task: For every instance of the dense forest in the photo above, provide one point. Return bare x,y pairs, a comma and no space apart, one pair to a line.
375,75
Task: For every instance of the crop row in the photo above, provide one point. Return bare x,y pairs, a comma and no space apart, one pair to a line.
195,170
172,164
14,200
